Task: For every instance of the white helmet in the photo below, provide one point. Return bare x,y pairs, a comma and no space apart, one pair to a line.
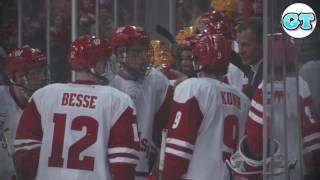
245,166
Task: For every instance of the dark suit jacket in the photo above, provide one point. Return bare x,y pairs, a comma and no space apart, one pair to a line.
253,84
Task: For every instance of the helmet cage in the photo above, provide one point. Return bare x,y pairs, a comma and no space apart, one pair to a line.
26,67
30,79
135,59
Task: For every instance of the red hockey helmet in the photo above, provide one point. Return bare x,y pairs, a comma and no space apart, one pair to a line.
133,51
128,35
222,27
217,16
87,50
23,59
207,19
212,52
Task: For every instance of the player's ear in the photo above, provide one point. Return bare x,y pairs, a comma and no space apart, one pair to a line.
118,67
100,66
17,76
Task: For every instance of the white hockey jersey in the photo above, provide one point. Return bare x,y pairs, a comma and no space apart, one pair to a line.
151,97
310,127
236,78
205,123
10,114
309,71
77,131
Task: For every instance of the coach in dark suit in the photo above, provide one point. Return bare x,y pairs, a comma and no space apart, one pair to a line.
249,39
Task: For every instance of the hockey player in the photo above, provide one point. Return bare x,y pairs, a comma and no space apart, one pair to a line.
148,88
185,39
25,71
217,23
162,59
80,130
247,162
207,117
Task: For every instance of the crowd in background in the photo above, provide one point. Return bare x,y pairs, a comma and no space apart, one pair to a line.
34,23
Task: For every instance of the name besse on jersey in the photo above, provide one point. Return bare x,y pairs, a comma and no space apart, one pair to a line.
79,100
87,132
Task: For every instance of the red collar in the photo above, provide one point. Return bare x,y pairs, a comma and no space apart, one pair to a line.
88,82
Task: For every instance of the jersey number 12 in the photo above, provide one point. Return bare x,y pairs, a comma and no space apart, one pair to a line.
73,159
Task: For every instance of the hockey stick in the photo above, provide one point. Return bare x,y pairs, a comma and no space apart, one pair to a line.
165,33
11,152
162,153
175,50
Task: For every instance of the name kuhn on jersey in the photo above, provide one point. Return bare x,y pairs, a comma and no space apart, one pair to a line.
205,123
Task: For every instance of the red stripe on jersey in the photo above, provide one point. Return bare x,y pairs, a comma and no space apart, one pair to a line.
84,82
29,128
254,137
176,171
123,155
253,128
186,126
122,172
183,124
309,113
312,142
307,101
312,159
256,112
310,133
258,96
122,135
27,163
311,129
30,123
179,148
25,144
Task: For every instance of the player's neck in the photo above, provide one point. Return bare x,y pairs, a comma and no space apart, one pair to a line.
85,76
125,75
212,76
19,98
